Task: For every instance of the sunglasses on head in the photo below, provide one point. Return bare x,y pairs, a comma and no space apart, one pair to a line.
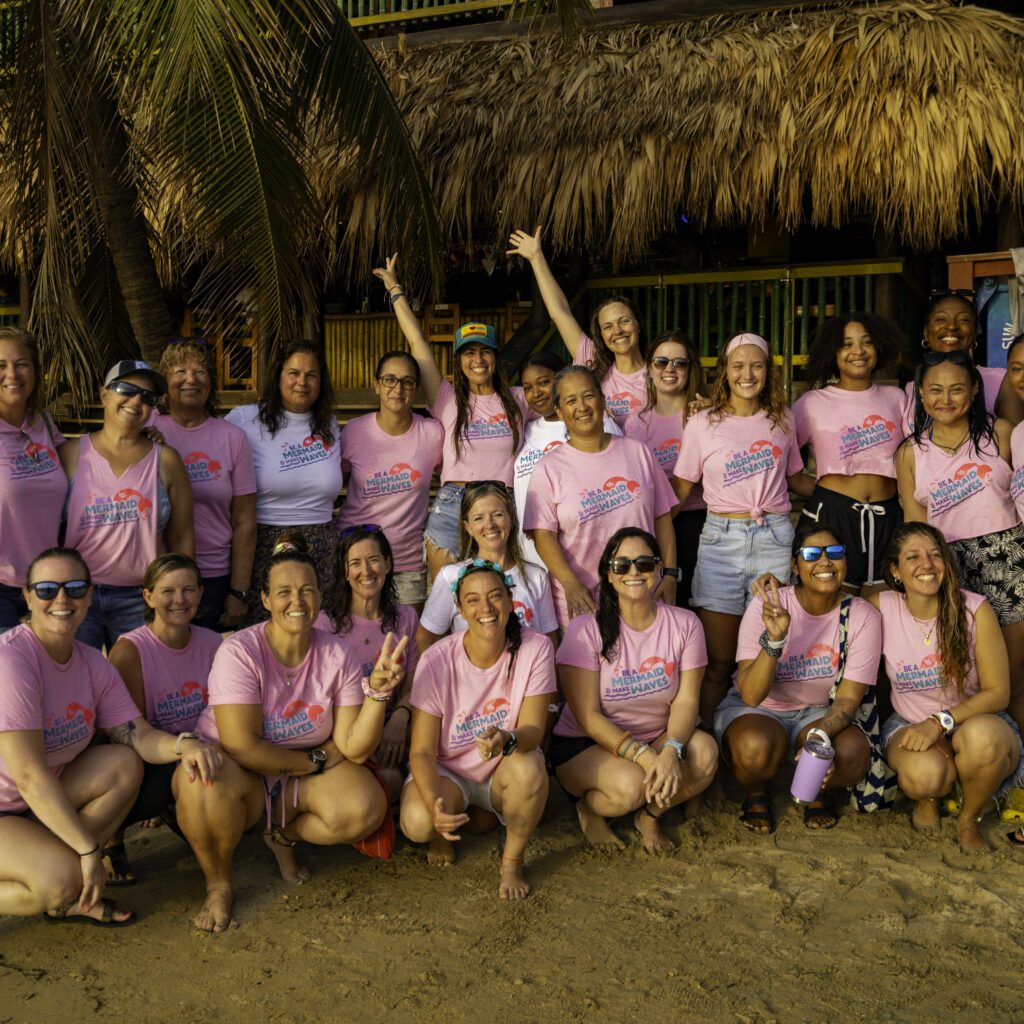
129,390
47,590
476,485
678,363
361,528
812,553
191,339
644,564
951,293
957,357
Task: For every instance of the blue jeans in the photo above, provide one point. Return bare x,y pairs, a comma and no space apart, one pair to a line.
12,607
114,610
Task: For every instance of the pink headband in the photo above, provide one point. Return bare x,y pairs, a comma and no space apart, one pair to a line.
748,339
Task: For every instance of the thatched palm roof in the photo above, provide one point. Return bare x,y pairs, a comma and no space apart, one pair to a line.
912,113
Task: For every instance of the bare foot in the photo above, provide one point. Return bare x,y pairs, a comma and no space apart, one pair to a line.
215,913
513,885
925,817
649,827
287,861
441,853
596,829
693,807
968,831
151,823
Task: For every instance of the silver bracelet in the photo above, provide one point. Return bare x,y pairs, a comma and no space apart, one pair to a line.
184,736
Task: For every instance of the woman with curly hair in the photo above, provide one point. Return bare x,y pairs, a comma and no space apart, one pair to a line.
294,439
853,427
947,665
482,416
741,448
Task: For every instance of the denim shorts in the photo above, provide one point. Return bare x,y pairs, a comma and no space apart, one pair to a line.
12,607
411,586
732,554
792,721
442,529
114,610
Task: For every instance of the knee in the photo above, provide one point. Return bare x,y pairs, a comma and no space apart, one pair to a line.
124,769
414,819
718,671
853,758
360,811
58,887
982,742
755,754
926,777
525,776
626,789
702,756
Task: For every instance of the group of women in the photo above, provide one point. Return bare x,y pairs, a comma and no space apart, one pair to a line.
617,596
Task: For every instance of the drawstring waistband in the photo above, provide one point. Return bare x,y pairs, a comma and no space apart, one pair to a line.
868,511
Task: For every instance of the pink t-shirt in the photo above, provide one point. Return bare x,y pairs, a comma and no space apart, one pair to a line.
487,452
584,497
467,699
625,394
365,636
32,491
218,460
112,520
1017,479
174,683
637,685
914,667
991,382
66,703
743,462
807,668
389,482
967,494
663,436
297,702
851,432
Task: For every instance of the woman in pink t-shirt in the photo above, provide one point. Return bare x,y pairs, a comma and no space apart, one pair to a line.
482,416
61,795
789,653
950,680
480,703
617,358
292,709
165,665
742,450
852,427
628,740
218,460
954,473
674,380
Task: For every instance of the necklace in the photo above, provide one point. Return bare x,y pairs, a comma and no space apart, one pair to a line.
951,448
925,635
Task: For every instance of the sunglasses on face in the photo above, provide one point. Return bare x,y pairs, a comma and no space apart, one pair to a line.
47,590
129,390
390,382
644,564
831,551
957,357
678,363
361,528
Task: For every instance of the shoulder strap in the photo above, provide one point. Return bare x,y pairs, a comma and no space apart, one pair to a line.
844,629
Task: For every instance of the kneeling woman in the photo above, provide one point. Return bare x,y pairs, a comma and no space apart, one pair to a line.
61,797
293,711
632,672
946,660
789,655
480,703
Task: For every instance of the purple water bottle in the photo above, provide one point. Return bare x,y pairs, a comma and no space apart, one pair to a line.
812,767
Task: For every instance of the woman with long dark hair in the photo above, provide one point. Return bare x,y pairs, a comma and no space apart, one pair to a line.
480,703
294,440
628,740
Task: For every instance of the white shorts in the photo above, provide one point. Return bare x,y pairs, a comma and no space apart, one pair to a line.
476,794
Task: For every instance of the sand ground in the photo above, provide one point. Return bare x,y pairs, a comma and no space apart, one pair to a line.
868,922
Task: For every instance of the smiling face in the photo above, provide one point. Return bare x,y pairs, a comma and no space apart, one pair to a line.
366,569
300,382
175,597
580,405
825,575
292,597
477,363
620,331
951,326
920,567
188,387
857,356
634,585
123,412
1015,369
61,616
947,393
669,379
485,603
746,371
396,385
538,384
17,378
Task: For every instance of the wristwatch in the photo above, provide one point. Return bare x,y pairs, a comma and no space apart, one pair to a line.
946,720
242,595
319,759
679,748
510,744
673,573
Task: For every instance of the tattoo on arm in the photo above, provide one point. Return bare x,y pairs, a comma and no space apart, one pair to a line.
126,734
837,718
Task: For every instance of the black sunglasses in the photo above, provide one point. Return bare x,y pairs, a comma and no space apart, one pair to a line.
360,528
951,293
129,390
476,485
644,564
679,362
812,553
47,590
957,357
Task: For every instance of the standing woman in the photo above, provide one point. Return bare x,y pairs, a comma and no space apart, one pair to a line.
165,665
628,738
585,490
129,500
954,473
390,456
617,359
480,704
218,461
481,415
32,482
853,427
294,439
674,380
742,449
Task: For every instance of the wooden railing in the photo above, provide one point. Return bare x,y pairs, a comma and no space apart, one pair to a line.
400,14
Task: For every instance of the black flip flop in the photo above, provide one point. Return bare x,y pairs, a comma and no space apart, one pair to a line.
816,815
106,920
758,808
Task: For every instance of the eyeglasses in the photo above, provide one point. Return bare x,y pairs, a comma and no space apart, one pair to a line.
360,528
957,357
191,339
679,363
390,382
644,564
47,590
129,390
832,551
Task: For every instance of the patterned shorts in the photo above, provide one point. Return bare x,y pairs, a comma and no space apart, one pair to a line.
993,565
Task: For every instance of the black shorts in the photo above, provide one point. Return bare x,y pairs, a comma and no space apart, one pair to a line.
687,525
864,527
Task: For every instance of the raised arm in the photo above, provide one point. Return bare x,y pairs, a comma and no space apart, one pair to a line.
529,248
430,375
